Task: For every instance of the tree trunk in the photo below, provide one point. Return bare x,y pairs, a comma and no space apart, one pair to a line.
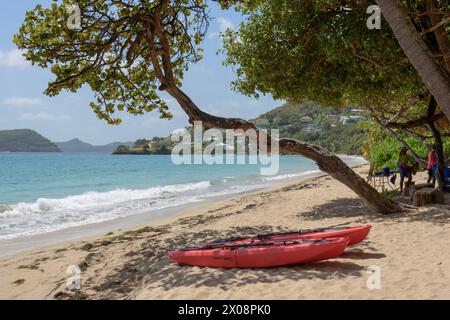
440,34
326,161
440,165
432,74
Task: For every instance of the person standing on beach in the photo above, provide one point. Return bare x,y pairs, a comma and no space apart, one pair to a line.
431,165
404,167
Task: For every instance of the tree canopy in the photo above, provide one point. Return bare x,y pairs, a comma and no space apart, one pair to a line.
320,51
122,50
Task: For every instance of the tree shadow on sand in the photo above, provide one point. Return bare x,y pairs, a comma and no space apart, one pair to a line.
355,209
150,267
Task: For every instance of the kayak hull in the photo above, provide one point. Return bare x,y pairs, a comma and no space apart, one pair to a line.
262,255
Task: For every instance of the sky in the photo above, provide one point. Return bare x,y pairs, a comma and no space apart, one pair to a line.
68,116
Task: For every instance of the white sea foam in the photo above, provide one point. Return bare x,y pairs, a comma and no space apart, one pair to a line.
45,215
292,175
353,160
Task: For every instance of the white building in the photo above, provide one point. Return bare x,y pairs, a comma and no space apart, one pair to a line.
345,119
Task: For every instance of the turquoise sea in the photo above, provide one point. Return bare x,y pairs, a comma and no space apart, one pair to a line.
43,192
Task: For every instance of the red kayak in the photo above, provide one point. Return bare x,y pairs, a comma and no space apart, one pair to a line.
260,254
355,234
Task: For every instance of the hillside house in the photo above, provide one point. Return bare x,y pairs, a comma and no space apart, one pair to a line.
346,119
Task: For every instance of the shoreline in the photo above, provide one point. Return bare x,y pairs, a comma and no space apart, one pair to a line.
25,244
33,209
133,263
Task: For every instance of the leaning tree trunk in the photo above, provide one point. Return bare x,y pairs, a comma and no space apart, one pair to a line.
432,74
326,161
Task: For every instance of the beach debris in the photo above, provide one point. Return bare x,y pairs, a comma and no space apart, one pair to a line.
18,282
125,239
30,266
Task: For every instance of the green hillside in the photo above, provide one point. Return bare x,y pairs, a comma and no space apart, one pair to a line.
334,129
25,140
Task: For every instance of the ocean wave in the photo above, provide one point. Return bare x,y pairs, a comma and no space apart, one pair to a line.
45,215
291,175
353,160
94,199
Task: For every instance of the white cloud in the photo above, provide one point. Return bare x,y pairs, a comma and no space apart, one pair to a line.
21,101
12,58
224,24
42,116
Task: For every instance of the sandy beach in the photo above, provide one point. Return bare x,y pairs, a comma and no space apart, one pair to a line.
410,249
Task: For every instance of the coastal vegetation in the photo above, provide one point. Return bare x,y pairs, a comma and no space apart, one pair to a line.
129,53
155,145
382,149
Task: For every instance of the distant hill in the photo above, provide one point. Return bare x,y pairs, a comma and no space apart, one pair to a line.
25,140
76,145
332,128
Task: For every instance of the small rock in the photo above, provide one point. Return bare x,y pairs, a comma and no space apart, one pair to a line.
90,256
105,243
87,247
62,295
83,266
